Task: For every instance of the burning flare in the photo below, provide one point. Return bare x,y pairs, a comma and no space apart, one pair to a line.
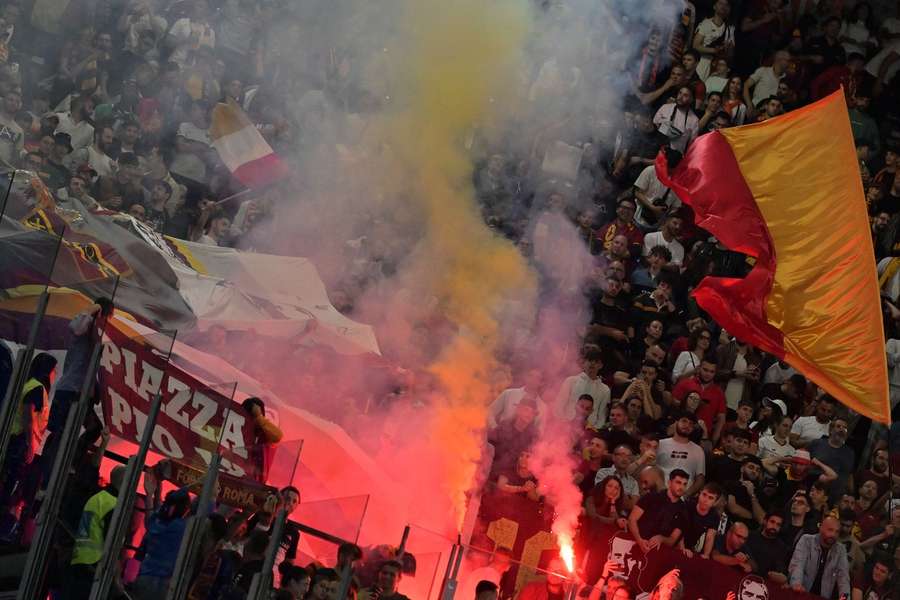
567,551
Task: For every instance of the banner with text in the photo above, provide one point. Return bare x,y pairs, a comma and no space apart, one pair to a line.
194,417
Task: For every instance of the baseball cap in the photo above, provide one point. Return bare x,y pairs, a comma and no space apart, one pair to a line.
776,402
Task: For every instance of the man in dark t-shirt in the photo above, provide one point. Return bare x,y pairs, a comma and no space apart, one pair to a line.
701,518
768,553
656,517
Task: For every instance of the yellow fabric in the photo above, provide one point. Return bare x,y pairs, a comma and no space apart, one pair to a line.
17,420
891,270
802,171
88,548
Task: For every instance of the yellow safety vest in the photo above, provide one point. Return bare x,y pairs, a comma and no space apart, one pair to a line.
91,533
20,407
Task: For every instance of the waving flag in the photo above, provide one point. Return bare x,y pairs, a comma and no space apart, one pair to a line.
242,148
788,193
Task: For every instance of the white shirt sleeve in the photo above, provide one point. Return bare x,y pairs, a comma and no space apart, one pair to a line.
682,363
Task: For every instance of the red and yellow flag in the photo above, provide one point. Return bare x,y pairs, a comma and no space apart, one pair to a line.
788,193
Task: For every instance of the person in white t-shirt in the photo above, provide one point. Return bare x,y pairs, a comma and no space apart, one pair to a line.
763,83
667,236
778,443
504,407
654,199
679,452
677,121
587,382
714,37
808,429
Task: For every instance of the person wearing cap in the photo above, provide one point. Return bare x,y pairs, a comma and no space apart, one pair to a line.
742,502
801,472
58,173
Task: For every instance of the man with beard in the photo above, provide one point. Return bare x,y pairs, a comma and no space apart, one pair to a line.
610,322
834,452
742,501
97,154
623,224
679,452
878,471
768,552
677,121
819,564
552,588
712,409
657,516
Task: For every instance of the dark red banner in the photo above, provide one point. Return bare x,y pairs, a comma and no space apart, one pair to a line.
523,526
192,419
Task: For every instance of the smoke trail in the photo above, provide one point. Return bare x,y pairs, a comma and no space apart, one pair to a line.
553,464
457,63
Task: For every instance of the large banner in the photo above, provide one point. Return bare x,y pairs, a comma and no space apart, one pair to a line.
193,417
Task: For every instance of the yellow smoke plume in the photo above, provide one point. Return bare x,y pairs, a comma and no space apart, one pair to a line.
461,55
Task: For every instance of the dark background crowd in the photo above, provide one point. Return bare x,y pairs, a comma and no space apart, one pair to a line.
687,436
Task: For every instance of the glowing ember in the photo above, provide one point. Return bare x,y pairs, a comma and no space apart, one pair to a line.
567,554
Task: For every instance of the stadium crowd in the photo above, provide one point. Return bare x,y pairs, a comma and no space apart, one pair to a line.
687,436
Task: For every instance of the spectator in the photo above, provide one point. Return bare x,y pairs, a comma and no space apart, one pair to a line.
778,443
819,564
295,580
26,434
677,121
487,590
834,452
763,83
808,429
90,537
87,327
712,411
678,453
876,583
586,382
667,236
656,517
729,550
688,362
162,540
701,522
714,38
389,575
743,503
768,553
266,436
622,457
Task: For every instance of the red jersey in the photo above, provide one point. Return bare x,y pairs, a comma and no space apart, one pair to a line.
712,399
629,230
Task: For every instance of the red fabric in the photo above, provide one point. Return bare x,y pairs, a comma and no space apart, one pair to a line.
709,179
711,395
261,171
